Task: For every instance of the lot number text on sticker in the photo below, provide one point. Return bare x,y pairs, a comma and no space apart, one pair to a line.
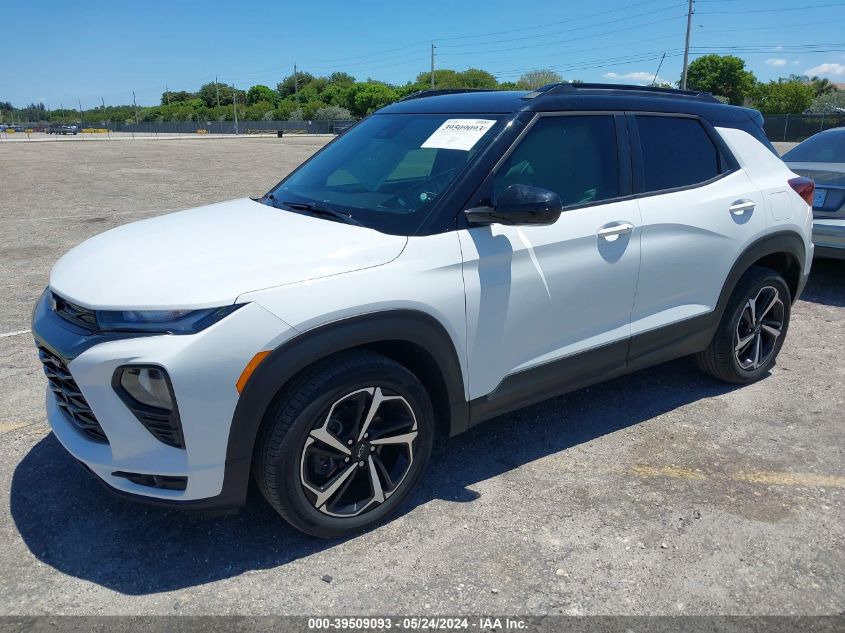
458,134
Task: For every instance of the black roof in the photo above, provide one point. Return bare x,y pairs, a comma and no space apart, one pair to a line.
566,96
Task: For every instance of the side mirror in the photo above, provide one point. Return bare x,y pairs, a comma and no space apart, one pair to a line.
519,204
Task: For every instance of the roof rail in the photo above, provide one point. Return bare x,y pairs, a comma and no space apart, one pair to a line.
419,94
573,88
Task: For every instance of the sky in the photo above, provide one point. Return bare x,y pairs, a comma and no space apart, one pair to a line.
62,53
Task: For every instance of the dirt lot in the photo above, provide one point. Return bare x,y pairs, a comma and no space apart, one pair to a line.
659,493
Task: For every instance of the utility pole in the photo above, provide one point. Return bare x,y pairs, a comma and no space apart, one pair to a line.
432,65
167,93
217,88
295,84
135,107
103,100
686,46
235,108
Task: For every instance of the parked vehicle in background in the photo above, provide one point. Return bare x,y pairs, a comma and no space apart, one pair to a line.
453,257
61,128
822,158
3,127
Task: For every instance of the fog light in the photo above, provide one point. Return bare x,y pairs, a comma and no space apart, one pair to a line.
147,385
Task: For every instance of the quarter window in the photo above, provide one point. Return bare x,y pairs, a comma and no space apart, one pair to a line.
574,156
677,152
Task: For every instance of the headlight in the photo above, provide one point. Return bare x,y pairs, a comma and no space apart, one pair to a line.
163,321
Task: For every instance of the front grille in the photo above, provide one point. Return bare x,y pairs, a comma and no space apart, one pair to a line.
69,398
76,314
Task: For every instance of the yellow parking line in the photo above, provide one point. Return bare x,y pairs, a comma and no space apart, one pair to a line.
809,480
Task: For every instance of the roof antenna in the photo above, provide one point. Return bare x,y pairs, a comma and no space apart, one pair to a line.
659,66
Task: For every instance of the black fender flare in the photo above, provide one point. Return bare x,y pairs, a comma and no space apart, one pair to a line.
787,242
287,360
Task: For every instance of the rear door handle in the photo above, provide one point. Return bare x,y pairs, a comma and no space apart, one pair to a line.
613,231
741,206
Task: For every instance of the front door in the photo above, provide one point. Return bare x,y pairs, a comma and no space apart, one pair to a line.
540,294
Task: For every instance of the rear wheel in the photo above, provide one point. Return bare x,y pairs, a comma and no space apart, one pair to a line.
752,329
344,444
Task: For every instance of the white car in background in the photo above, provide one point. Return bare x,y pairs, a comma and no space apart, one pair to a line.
822,158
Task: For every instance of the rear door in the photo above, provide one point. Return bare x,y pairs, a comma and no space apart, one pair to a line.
699,210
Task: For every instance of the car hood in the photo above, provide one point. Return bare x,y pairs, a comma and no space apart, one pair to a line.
210,255
830,174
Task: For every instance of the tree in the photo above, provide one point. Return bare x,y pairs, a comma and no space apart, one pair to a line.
722,75
208,94
830,103
173,96
341,78
445,78
369,96
261,93
332,113
536,78
783,96
287,86
822,86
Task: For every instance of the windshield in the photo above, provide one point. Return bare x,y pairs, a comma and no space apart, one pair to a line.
821,148
387,171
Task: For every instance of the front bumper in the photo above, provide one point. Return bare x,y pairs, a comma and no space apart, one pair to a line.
203,370
829,238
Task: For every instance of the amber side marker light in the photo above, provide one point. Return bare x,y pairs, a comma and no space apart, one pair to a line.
251,366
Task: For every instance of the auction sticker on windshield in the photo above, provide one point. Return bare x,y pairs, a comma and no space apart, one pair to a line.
458,134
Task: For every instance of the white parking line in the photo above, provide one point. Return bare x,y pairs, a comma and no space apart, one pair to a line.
18,333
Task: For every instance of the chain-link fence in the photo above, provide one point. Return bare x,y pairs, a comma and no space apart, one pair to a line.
797,127
227,127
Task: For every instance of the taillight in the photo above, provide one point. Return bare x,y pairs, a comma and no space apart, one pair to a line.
804,187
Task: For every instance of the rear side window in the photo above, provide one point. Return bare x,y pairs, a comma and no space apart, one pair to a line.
575,156
677,152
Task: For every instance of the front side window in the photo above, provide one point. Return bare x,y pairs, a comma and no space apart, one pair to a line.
677,152
388,171
574,156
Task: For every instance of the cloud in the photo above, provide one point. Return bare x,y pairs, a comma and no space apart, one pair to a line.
638,77
796,62
776,61
826,69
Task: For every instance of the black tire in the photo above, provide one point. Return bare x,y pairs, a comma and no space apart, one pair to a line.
721,359
304,406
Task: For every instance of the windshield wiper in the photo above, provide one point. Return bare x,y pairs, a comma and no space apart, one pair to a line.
315,209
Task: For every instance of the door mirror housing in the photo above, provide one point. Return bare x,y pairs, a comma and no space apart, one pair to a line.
519,205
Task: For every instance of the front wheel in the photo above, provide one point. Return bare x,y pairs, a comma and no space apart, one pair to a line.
344,444
752,329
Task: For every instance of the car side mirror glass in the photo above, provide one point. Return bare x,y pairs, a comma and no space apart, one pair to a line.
519,205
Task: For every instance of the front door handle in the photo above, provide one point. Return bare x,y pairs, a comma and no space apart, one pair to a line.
612,232
741,206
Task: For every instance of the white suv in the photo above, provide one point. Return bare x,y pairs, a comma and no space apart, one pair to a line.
451,258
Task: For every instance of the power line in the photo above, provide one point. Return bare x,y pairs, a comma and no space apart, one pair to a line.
571,30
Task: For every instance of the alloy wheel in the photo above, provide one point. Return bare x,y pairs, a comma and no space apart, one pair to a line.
359,453
758,329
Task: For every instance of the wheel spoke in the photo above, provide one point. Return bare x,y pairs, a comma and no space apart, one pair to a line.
324,495
774,331
775,300
383,470
322,435
405,438
758,343
752,308
743,342
375,403
378,491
